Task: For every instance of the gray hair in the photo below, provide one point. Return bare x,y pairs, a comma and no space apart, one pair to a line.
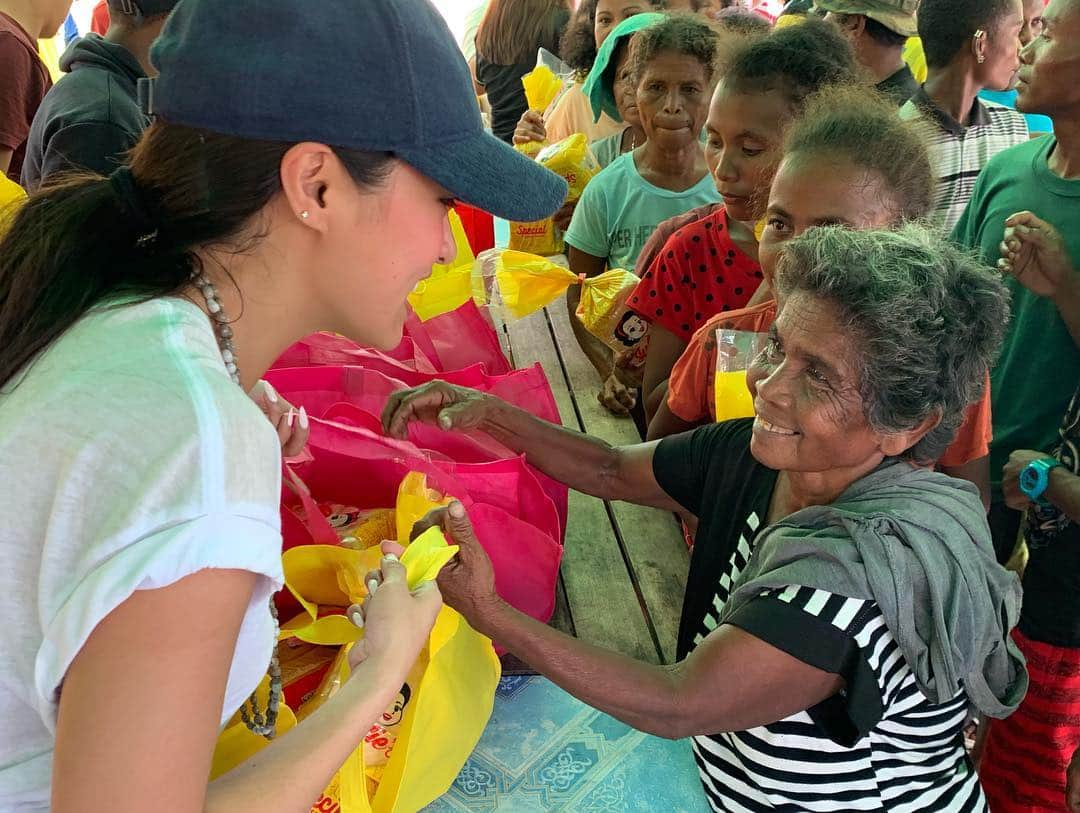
928,319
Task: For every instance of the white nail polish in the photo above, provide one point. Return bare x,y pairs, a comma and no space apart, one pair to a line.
390,557
303,418
271,393
371,586
292,416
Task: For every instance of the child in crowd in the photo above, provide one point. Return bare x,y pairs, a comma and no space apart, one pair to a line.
675,64
849,160
509,37
710,265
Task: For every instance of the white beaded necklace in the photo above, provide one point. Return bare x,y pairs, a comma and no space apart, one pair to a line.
257,721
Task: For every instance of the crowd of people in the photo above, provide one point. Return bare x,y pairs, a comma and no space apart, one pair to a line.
886,555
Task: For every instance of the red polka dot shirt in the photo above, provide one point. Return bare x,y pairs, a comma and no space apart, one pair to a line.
699,273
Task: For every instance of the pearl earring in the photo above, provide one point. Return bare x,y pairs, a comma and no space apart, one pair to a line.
304,215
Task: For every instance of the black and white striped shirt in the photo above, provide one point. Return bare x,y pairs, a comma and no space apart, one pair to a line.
958,153
879,744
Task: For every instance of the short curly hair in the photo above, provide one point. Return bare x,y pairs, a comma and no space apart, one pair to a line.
928,319
678,33
797,60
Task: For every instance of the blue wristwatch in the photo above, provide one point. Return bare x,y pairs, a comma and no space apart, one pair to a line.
1035,477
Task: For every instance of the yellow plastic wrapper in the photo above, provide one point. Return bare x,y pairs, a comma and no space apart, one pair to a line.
573,160
541,87
449,286
447,697
527,283
324,578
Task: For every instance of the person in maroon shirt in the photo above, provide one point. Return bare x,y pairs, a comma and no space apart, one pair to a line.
26,80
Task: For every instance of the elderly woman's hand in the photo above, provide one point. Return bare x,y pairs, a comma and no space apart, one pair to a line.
437,403
468,581
291,425
1010,478
530,127
1034,253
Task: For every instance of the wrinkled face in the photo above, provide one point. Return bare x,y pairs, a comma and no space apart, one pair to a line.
1049,76
673,99
821,191
624,89
1033,14
609,13
745,136
810,413
378,245
1002,50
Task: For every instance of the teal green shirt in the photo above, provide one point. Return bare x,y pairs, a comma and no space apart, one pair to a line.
1039,365
619,210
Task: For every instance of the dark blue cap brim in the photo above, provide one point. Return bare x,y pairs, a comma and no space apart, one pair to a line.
489,174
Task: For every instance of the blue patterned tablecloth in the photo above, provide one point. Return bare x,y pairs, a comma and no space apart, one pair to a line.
544,751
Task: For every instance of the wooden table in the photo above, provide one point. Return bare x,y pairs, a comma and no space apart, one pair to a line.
624,566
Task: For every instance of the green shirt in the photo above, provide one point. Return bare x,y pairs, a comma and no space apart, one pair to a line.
1039,365
619,210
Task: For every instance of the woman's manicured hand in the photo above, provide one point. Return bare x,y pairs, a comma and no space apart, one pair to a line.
396,621
290,423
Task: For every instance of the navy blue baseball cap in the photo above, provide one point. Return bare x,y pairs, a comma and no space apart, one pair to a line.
379,75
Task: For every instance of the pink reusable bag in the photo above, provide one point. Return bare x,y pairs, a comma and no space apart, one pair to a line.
515,520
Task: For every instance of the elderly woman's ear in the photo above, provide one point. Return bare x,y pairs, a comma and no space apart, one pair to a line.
894,444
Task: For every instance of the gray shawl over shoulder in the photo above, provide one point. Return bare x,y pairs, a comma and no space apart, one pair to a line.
917,543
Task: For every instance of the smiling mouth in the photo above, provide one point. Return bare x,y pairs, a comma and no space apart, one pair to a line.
773,428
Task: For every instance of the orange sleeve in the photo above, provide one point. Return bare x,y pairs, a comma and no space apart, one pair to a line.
691,378
690,388
973,438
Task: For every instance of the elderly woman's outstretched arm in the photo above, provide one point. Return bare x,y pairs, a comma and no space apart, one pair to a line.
733,681
586,464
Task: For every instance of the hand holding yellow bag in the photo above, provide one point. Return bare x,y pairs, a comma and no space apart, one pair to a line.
541,87
450,690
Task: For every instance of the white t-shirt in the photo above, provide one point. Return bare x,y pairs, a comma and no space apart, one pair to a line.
128,460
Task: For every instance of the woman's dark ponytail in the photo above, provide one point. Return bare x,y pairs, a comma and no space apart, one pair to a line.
86,239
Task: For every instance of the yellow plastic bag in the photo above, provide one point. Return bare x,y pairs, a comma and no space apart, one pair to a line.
541,87
527,283
449,286
573,160
451,686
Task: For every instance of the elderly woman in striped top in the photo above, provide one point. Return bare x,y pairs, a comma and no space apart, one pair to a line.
844,605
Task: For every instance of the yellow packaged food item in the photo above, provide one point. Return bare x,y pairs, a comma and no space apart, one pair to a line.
573,160
527,283
541,87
